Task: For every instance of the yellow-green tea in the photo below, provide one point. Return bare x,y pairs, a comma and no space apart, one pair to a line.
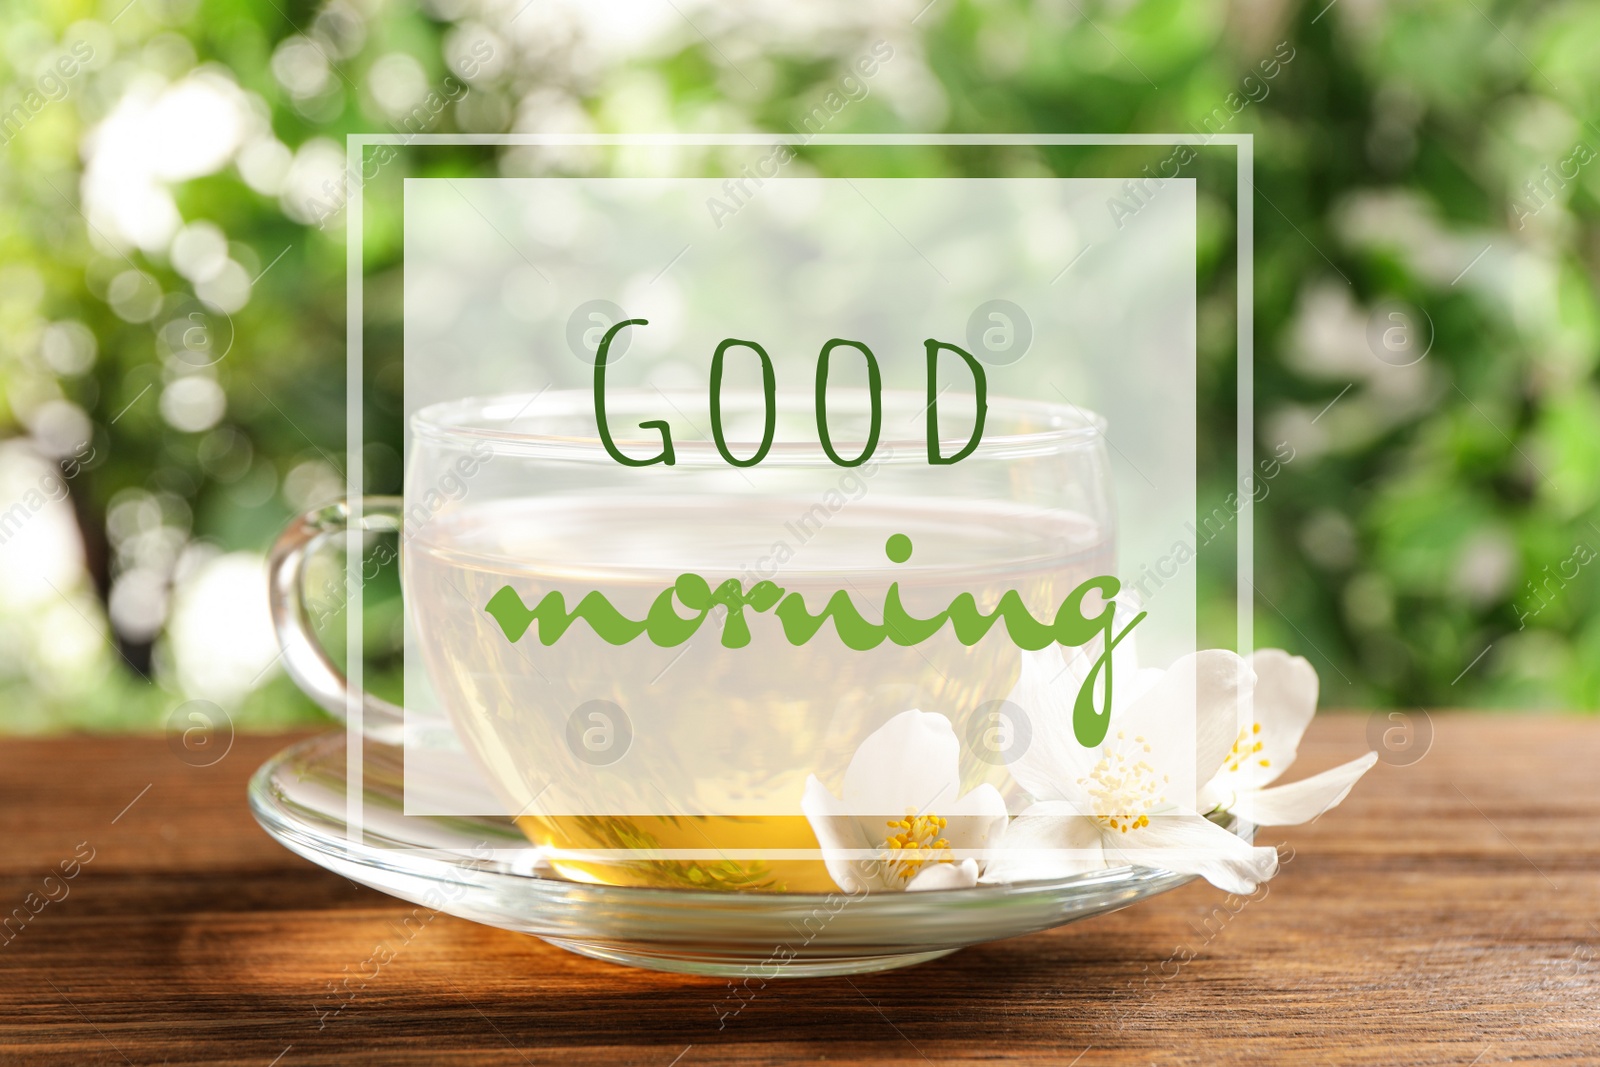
601,750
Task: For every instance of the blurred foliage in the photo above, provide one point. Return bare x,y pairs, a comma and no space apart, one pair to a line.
1428,161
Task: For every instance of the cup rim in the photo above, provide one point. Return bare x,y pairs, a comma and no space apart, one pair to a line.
1069,427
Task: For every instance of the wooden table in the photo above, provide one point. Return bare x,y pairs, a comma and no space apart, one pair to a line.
1448,913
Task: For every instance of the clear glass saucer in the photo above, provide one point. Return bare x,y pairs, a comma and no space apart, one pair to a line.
483,869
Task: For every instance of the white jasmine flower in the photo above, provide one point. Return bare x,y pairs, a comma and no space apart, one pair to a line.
1115,804
901,824
1285,701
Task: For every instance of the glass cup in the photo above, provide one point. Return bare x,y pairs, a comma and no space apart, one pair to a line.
680,760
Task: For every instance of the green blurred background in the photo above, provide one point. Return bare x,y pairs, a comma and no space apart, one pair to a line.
172,295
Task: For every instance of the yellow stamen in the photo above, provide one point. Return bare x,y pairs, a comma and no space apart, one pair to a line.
1123,789
914,842
1245,747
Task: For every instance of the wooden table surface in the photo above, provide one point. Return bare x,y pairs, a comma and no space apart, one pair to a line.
1447,913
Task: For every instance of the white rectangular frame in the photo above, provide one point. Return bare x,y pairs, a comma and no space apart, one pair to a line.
355,429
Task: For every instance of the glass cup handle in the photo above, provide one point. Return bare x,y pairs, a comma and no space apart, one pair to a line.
303,656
